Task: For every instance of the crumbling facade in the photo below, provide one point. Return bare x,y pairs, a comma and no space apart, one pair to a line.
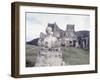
70,38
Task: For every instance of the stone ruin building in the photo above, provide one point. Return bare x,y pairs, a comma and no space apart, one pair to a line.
68,37
84,41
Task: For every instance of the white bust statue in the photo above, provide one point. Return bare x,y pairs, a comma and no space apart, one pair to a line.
50,53
50,41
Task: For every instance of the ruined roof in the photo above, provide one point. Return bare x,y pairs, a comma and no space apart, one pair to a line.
70,32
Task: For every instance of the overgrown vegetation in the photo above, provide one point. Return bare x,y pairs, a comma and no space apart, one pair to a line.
71,55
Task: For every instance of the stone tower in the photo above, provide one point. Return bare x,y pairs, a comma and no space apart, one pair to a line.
70,27
70,36
55,29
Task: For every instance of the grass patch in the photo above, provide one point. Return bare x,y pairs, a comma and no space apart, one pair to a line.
71,55
75,56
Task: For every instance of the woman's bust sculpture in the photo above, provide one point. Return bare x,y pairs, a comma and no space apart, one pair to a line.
50,41
50,53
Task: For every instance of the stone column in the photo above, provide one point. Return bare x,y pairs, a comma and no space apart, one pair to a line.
77,44
83,44
86,42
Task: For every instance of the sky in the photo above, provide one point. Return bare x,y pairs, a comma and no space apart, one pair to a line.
37,22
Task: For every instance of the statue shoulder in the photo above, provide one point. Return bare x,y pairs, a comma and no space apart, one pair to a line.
54,38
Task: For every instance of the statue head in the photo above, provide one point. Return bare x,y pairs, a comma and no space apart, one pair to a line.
49,31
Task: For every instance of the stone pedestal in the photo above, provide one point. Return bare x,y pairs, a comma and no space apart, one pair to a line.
50,53
49,58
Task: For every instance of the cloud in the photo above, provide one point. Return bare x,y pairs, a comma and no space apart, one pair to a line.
37,22
32,18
